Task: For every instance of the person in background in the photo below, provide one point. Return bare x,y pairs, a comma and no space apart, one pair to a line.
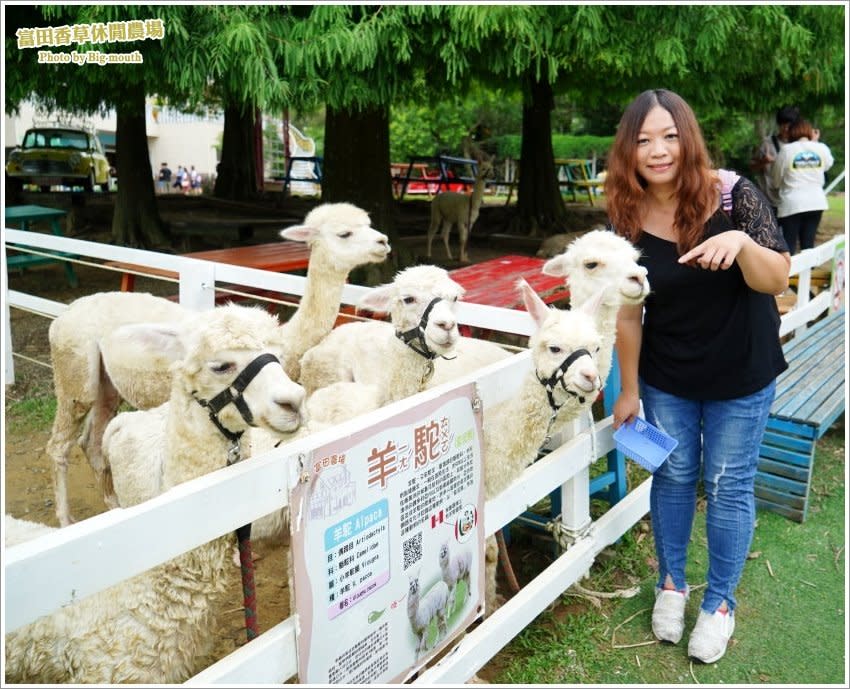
178,178
164,179
798,174
196,180
762,162
702,354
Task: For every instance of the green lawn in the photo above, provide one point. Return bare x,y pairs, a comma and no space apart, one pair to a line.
791,615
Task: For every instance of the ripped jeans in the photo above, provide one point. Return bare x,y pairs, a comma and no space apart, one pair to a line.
722,437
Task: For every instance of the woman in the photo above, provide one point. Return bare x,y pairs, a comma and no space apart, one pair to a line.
704,357
798,174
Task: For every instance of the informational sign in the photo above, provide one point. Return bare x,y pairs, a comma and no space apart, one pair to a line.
388,544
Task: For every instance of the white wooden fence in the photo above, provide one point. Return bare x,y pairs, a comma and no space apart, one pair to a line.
86,557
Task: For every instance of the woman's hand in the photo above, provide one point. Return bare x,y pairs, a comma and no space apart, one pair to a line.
626,408
718,252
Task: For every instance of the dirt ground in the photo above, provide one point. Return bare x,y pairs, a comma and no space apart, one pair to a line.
27,474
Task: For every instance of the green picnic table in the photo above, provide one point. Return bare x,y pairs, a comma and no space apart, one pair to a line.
24,216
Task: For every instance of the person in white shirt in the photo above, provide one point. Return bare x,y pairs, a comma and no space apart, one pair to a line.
798,174
762,162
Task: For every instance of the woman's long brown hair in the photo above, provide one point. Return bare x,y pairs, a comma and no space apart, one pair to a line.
697,185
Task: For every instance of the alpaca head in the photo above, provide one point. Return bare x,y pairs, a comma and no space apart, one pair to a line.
567,341
444,554
342,234
599,259
210,349
424,298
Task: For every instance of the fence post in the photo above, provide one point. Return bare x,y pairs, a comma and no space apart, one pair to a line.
197,285
8,361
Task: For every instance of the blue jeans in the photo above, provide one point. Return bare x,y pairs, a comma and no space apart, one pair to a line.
722,437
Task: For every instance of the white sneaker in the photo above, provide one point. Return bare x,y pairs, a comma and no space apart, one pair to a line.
668,615
711,636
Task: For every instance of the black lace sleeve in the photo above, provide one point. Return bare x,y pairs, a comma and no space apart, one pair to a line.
751,213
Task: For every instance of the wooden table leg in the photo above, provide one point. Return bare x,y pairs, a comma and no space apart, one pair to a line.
128,282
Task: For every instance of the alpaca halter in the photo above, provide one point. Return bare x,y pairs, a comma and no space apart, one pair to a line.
226,396
415,337
557,377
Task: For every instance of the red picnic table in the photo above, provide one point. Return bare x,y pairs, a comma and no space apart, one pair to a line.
280,257
493,282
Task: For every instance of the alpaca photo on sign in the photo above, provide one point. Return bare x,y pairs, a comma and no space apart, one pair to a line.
423,609
456,568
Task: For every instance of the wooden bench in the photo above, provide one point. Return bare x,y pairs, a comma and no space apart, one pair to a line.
27,215
809,398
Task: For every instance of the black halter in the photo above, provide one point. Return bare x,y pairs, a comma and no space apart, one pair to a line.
415,337
557,377
233,393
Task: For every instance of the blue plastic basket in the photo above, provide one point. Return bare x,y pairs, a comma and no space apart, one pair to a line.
644,443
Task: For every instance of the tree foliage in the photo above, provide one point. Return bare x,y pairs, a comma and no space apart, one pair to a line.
364,61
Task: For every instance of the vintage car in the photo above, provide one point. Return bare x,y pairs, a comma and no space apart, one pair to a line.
59,155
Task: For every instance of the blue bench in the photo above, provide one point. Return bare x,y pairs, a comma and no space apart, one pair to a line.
26,215
809,399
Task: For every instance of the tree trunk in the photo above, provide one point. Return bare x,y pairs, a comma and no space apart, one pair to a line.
236,178
540,207
357,170
136,221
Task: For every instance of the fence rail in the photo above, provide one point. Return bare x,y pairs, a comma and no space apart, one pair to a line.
86,557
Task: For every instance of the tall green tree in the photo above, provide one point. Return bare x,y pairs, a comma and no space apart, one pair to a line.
207,56
89,88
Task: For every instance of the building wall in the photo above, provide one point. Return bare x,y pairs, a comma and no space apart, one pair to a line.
173,137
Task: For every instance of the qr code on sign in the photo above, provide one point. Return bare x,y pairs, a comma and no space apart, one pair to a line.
412,550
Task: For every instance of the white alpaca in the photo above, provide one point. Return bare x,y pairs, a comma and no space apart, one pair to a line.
422,609
362,366
365,365
564,383
455,567
455,208
595,261
469,354
17,531
91,375
395,357
155,627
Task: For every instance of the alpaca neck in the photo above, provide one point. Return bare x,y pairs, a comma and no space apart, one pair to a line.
514,435
408,370
606,324
476,198
194,446
317,311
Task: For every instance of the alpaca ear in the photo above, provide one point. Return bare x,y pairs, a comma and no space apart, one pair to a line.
146,340
298,233
378,299
556,267
533,303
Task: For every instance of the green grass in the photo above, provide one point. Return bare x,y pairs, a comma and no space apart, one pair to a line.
791,606
836,206
32,414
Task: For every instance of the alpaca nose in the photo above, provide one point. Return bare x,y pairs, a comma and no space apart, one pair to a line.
446,324
292,402
589,375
